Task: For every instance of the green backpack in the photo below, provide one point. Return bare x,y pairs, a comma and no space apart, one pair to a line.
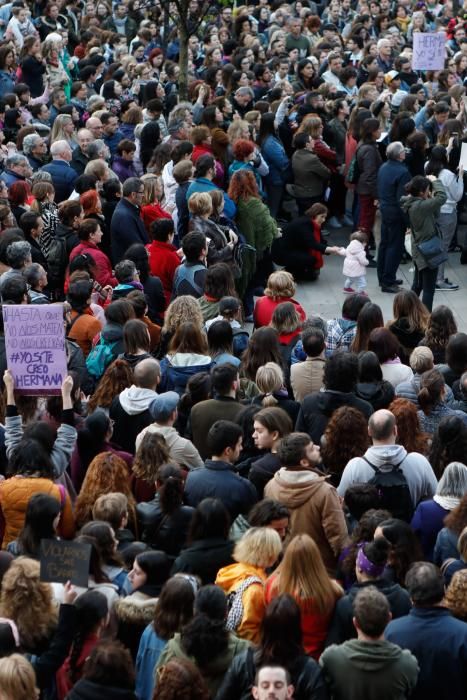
100,357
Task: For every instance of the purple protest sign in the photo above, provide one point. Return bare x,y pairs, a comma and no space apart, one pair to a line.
35,347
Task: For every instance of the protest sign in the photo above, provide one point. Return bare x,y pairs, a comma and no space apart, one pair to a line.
429,50
35,347
63,561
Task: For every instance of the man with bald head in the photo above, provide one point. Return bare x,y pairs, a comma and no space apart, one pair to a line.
130,409
384,455
80,158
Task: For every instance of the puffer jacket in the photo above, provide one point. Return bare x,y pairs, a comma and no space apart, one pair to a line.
422,215
355,262
306,677
15,494
178,368
229,579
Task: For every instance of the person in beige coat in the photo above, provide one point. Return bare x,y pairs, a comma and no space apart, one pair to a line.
307,377
315,508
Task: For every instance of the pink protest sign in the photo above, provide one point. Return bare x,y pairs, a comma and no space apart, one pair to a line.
35,347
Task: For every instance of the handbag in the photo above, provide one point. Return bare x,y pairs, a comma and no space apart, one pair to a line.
433,252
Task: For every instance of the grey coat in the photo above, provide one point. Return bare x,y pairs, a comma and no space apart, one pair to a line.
422,215
310,175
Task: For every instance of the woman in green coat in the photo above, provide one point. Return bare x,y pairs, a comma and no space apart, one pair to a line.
257,226
426,196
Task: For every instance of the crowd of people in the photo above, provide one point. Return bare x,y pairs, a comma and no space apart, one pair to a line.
275,503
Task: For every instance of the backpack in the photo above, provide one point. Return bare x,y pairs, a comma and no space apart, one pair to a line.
235,603
353,173
101,355
57,261
394,492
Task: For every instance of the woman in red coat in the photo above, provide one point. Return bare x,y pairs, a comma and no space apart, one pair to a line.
151,209
90,235
281,287
163,256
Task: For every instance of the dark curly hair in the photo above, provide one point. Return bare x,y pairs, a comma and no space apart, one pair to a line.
345,437
363,532
405,547
441,326
181,679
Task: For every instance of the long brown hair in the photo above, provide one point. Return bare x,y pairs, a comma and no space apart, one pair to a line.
243,186
407,305
345,437
117,377
152,453
188,338
409,433
302,575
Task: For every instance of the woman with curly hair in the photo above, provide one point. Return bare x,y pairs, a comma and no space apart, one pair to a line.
29,603
363,532
456,595
409,432
107,473
94,438
180,678
410,320
152,453
117,377
446,542
183,308
441,326
449,444
345,437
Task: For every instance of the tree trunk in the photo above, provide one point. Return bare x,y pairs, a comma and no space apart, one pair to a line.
183,60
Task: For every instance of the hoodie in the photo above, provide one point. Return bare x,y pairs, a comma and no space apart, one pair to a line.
377,670
88,690
417,470
355,262
315,510
229,578
130,411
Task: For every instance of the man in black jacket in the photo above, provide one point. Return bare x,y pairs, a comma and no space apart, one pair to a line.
127,225
340,378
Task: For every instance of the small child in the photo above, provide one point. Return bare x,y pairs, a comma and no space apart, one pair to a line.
355,263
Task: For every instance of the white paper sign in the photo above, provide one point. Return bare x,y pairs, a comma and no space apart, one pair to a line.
463,158
429,50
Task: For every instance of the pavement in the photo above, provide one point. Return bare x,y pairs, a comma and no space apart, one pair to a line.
325,296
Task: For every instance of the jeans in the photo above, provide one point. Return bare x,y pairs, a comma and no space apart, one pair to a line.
447,225
390,249
359,282
425,281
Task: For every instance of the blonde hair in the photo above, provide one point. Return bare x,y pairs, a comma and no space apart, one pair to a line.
269,379
259,546
182,309
303,575
280,284
456,595
200,204
152,188
58,132
28,602
236,130
17,679
110,507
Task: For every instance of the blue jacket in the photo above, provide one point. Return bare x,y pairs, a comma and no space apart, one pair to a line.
202,184
426,523
175,378
63,178
126,228
9,177
150,648
219,480
439,642
392,178
445,546
7,82
275,156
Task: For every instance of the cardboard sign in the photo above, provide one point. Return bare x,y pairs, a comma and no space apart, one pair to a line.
63,561
35,347
429,50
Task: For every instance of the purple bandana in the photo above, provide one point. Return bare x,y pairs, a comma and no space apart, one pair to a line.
367,566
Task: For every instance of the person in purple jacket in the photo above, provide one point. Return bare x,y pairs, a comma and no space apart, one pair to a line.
123,163
428,518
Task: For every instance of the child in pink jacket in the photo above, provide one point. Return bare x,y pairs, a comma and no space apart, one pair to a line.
354,268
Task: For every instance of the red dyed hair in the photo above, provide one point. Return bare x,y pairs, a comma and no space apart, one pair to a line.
18,193
242,149
243,186
89,201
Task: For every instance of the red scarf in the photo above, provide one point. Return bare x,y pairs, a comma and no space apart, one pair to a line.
315,253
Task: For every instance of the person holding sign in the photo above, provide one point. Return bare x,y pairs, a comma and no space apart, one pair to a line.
33,472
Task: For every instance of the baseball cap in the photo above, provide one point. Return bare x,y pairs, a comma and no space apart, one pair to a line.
228,304
165,404
389,77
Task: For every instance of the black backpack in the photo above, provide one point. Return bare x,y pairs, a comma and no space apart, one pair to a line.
394,492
